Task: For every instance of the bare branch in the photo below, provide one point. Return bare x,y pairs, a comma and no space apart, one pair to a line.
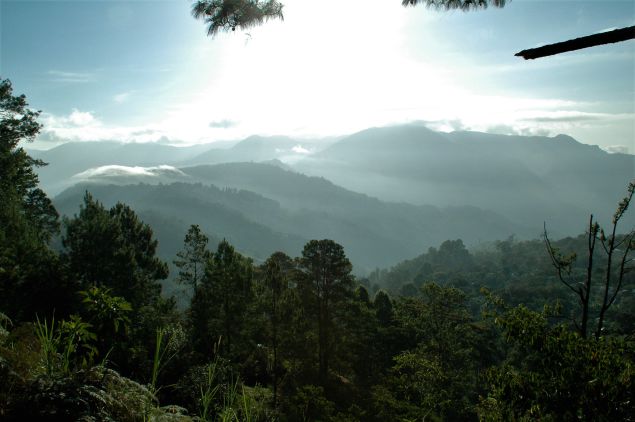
621,275
579,43
561,265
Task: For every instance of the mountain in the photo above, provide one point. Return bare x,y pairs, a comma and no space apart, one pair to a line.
67,160
262,208
418,188
260,148
74,158
529,180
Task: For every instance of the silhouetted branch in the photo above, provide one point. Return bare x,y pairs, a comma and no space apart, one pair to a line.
609,37
231,14
561,265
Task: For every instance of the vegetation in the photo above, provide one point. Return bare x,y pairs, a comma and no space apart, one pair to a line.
453,334
226,15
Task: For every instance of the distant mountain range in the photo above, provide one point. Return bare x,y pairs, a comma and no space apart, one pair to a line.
527,179
416,188
74,158
291,209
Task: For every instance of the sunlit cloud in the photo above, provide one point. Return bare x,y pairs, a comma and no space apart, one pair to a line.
299,149
118,171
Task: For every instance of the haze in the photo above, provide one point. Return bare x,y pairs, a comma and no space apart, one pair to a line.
144,71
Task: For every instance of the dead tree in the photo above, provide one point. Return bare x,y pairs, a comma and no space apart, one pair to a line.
617,249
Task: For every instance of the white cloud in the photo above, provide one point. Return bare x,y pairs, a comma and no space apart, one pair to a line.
73,77
82,118
613,149
299,149
118,171
122,98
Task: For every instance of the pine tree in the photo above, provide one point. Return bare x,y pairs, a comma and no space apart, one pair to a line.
193,258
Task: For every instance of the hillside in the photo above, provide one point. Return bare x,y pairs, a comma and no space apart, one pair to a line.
529,180
281,210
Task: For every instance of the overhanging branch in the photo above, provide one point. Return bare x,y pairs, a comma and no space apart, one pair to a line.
609,37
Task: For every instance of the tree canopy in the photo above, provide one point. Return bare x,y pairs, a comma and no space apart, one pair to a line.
227,15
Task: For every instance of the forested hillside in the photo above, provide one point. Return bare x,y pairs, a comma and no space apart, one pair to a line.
522,181
513,175
512,330
261,209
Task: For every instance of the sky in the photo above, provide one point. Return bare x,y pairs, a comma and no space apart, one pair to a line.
145,70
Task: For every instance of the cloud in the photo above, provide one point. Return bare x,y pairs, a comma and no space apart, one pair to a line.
299,149
503,129
565,117
119,171
615,149
86,126
81,118
451,125
50,137
74,77
122,98
222,124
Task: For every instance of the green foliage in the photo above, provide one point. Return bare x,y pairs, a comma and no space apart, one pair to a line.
107,313
277,304
325,287
439,375
219,304
310,404
231,14
28,217
97,394
65,346
555,374
225,15
193,258
5,324
169,342
24,208
114,249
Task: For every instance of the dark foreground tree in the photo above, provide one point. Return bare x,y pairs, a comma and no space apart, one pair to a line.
29,274
218,312
276,305
114,249
326,285
192,259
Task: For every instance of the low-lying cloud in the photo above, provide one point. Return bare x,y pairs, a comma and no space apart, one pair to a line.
123,171
615,149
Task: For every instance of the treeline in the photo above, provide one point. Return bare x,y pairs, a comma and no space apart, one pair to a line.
85,333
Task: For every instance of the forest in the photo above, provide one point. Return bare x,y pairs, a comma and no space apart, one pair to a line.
515,330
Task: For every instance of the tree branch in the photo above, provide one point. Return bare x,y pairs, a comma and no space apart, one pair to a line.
609,37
